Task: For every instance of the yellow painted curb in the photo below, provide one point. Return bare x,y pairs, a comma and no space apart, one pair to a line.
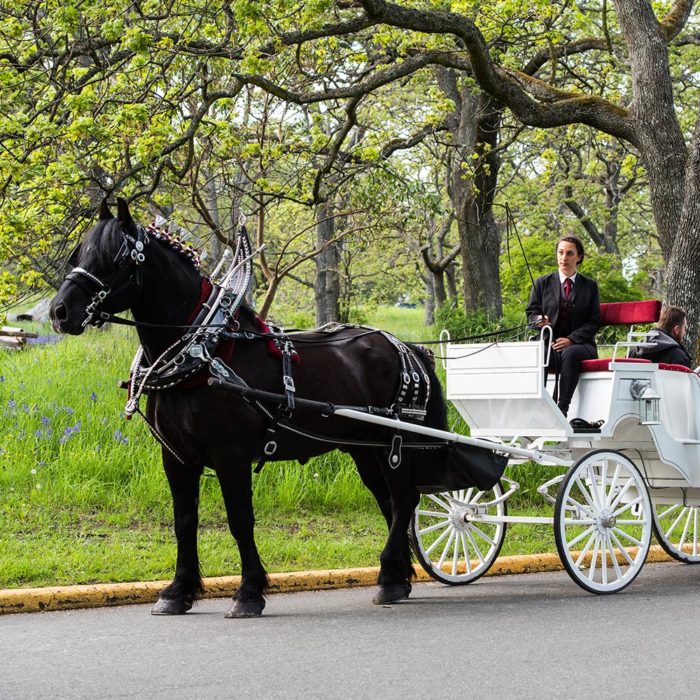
108,594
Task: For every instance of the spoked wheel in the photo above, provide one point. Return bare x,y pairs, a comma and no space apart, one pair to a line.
603,522
677,528
450,544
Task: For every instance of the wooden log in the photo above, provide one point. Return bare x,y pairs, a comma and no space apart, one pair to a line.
17,332
11,341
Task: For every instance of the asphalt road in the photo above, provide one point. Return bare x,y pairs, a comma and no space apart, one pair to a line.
528,636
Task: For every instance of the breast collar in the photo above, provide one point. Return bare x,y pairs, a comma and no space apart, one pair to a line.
214,320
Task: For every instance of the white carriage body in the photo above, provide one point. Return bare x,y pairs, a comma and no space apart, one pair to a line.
499,390
633,466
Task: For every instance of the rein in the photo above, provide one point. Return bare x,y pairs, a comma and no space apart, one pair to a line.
118,320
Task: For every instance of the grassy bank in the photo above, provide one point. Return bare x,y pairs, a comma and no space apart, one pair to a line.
83,497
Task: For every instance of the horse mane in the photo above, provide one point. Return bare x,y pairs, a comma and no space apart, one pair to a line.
176,243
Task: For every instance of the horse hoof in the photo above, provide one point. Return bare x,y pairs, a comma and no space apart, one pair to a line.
392,594
170,606
246,608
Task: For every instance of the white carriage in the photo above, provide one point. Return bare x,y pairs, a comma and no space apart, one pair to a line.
638,471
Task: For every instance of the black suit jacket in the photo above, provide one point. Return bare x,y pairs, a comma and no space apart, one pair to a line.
585,306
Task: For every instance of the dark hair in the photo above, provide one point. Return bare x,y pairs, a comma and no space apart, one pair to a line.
572,239
671,316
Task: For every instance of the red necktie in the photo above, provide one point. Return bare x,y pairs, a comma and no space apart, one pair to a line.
567,287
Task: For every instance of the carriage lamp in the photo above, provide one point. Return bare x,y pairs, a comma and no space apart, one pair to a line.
648,402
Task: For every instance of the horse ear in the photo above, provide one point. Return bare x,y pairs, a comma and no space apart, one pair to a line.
123,213
103,211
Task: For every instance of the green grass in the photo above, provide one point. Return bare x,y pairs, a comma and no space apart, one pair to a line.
83,497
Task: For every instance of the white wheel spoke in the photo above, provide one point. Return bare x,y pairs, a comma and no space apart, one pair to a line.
467,558
585,533
477,498
572,503
622,549
695,531
438,540
675,522
584,551
627,505
623,491
455,555
584,492
482,534
627,536
603,487
433,514
440,502
613,485
685,531
613,555
432,528
446,550
475,546
604,560
595,492
668,511
594,558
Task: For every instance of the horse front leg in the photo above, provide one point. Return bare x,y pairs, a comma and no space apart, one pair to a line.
187,585
236,488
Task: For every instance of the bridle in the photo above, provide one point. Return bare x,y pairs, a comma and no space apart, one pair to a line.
130,254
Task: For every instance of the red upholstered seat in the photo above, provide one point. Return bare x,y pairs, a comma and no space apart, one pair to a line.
627,313
602,364
675,368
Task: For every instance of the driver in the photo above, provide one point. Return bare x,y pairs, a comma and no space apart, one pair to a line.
569,303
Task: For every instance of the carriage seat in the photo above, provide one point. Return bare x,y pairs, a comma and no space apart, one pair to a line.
627,313
602,364
624,313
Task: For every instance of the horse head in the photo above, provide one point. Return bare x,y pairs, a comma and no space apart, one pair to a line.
104,272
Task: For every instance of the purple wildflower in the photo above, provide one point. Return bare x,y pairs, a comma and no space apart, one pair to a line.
120,437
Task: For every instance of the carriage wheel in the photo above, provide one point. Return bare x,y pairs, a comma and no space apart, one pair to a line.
677,528
603,522
449,544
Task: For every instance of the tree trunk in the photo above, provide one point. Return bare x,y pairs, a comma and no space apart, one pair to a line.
481,241
327,286
430,298
683,271
473,177
658,133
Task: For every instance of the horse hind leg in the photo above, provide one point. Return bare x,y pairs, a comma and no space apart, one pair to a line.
372,477
398,499
187,584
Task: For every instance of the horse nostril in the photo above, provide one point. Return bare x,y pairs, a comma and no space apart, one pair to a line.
59,312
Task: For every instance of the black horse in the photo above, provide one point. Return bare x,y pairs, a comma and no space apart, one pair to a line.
120,266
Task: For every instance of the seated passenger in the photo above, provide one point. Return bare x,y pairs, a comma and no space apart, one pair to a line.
667,339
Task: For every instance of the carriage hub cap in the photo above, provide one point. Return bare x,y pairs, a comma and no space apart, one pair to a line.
606,520
460,517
